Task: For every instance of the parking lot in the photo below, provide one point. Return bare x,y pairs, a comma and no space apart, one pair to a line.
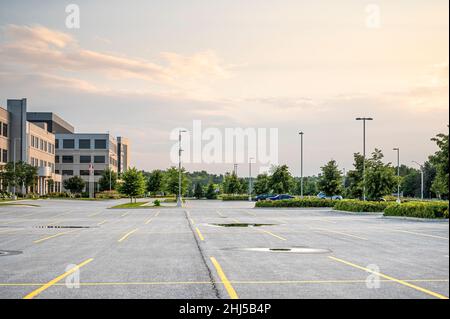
189,253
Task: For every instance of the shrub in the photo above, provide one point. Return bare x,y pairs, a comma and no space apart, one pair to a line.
108,195
359,206
58,195
230,197
157,203
418,209
305,202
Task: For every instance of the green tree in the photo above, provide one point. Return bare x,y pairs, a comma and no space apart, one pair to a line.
198,192
133,184
440,161
231,184
211,191
170,181
50,185
380,178
20,174
155,181
330,180
74,184
281,181
354,180
108,176
261,185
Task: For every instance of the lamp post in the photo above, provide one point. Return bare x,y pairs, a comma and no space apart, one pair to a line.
364,119
421,179
301,163
250,186
14,166
398,173
179,200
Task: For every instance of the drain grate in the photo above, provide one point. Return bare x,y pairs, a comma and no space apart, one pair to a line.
242,225
59,226
9,252
294,250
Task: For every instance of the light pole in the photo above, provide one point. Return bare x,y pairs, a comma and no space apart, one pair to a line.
14,166
398,173
421,179
301,163
179,200
250,186
364,119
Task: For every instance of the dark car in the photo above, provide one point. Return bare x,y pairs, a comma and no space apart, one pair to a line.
281,197
262,197
322,195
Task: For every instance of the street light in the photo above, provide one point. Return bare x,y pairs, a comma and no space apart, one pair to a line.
14,165
179,200
301,163
398,173
364,119
421,179
250,186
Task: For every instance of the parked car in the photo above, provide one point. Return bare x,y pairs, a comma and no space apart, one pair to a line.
281,197
262,197
322,195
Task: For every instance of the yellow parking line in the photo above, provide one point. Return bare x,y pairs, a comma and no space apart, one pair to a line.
340,233
251,214
54,223
124,214
199,234
220,214
148,221
272,234
101,223
192,221
231,292
401,282
235,220
95,214
127,235
57,279
53,236
420,234
157,213
8,230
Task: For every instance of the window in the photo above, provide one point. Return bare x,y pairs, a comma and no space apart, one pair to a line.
67,159
41,163
57,171
45,146
56,159
5,130
84,144
100,144
99,159
57,143
98,173
85,159
84,172
67,172
41,145
70,144
4,154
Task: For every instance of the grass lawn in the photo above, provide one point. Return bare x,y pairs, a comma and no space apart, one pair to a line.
132,205
17,204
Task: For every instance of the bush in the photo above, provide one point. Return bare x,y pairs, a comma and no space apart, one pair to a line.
418,209
58,195
305,202
157,203
359,206
108,195
230,197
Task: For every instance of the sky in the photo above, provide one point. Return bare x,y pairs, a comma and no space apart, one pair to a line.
142,69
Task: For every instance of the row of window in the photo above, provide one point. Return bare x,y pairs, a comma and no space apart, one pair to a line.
4,129
35,162
3,156
83,144
84,159
82,172
42,145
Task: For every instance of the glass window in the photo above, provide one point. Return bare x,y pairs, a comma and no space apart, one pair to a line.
99,159
56,159
67,172
84,172
5,130
85,159
67,159
70,144
57,143
5,155
98,172
100,144
84,144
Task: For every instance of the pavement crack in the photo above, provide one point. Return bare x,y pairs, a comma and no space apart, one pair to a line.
203,257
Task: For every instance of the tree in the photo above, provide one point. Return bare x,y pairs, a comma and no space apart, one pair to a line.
380,178
261,185
231,184
133,183
211,191
74,184
411,183
281,180
198,192
20,174
355,179
429,174
440,161
155,181
50,185
330,180
170,181
107,177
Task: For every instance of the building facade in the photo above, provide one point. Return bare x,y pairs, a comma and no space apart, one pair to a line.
49,143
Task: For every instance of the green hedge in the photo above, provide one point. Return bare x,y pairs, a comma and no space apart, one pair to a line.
306,202
228,197
358,206
418,209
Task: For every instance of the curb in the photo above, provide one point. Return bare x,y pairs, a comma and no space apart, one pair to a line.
417,219
358,213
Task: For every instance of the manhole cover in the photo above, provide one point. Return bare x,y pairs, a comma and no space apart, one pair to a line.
295,250
9,252
242,225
